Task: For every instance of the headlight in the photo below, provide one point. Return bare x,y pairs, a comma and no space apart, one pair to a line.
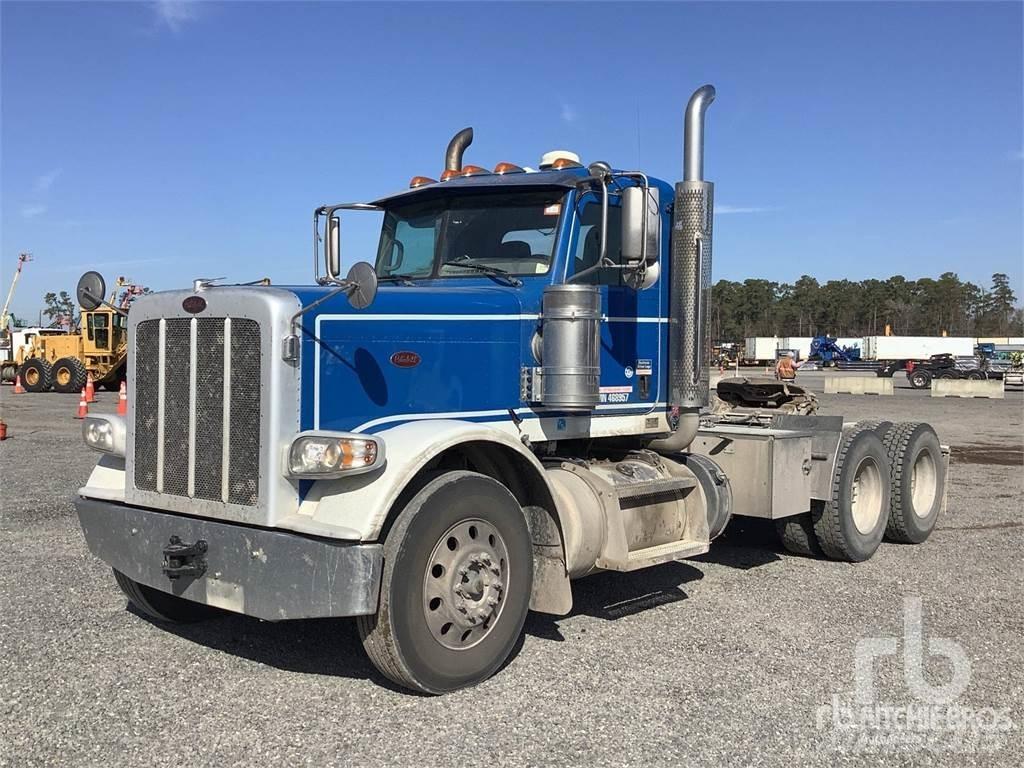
333,454
105,434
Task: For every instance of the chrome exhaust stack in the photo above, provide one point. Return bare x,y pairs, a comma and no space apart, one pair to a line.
690,289
456,149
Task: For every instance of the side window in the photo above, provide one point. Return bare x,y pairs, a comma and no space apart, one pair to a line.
100,331
411,247
588,244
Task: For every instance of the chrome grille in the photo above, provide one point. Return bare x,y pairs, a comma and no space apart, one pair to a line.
197,408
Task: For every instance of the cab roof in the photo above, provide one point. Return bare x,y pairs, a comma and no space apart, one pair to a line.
565,179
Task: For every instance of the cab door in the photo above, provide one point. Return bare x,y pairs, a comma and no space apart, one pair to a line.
631,325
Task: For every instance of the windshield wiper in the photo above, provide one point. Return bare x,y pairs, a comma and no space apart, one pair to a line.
487,269
403,279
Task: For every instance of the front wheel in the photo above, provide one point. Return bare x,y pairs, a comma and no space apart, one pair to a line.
458,570
162,606
36,375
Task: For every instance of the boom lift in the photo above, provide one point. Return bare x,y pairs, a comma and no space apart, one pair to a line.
515,395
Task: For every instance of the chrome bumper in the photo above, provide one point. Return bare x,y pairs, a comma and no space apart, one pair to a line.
272,575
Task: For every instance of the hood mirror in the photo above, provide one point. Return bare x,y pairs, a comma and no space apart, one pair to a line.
362,289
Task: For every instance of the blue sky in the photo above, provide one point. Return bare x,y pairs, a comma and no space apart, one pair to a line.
167,141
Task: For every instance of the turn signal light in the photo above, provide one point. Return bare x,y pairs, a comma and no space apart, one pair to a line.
502,168
449,174
420,181
473,170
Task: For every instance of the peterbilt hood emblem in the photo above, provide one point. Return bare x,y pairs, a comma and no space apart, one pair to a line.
193,304
405,359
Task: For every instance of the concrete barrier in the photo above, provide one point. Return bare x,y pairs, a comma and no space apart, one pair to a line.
992,388
858,385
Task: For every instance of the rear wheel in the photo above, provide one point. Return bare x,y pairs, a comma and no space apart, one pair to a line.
918,480
36,375
920,379
976,375
851,524
161,606
797,535
69,375
458,570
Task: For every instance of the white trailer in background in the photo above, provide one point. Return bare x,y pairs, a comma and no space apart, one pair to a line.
915,347
760,349
799,344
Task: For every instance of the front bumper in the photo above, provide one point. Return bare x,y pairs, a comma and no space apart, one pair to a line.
272,575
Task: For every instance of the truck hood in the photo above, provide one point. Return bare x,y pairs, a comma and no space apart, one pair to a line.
414,351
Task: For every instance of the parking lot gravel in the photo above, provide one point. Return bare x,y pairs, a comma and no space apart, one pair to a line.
738,657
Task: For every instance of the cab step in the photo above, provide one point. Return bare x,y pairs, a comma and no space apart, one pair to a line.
662,553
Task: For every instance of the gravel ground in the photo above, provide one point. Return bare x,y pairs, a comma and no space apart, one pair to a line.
731,658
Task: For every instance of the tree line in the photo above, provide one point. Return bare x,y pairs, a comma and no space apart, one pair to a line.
924,307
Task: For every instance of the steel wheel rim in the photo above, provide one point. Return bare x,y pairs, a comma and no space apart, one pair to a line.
63,376
464,584
32,377
923,484
866,496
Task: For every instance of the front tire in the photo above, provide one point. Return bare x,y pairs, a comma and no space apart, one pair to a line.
458,571
850,526
161,606
36,375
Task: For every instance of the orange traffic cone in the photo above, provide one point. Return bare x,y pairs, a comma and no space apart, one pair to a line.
83,406
90,389
3,430
18,389
122,400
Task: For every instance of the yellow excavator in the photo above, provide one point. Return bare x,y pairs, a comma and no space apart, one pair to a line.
98,346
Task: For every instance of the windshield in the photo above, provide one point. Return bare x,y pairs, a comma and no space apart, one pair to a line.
462,235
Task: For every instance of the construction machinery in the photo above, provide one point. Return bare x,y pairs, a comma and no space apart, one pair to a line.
515,395
5,316
98,346
826,350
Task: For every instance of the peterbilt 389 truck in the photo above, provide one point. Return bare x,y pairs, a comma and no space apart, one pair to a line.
513,396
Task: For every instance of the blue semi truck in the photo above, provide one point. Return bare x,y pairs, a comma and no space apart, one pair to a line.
514,395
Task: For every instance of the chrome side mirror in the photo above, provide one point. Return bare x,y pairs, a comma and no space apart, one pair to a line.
641,225
332,248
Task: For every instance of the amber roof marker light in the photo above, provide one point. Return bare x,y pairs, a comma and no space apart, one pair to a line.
502,168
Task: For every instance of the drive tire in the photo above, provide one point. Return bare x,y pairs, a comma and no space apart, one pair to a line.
36,375
797,535
406,639
918,481
69,375
161,606
976,375
919,379
851,524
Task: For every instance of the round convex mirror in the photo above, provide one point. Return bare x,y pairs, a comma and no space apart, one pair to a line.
91,290
363,278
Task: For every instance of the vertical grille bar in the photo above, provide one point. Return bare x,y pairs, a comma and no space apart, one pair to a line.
225,458
161,409
193,366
